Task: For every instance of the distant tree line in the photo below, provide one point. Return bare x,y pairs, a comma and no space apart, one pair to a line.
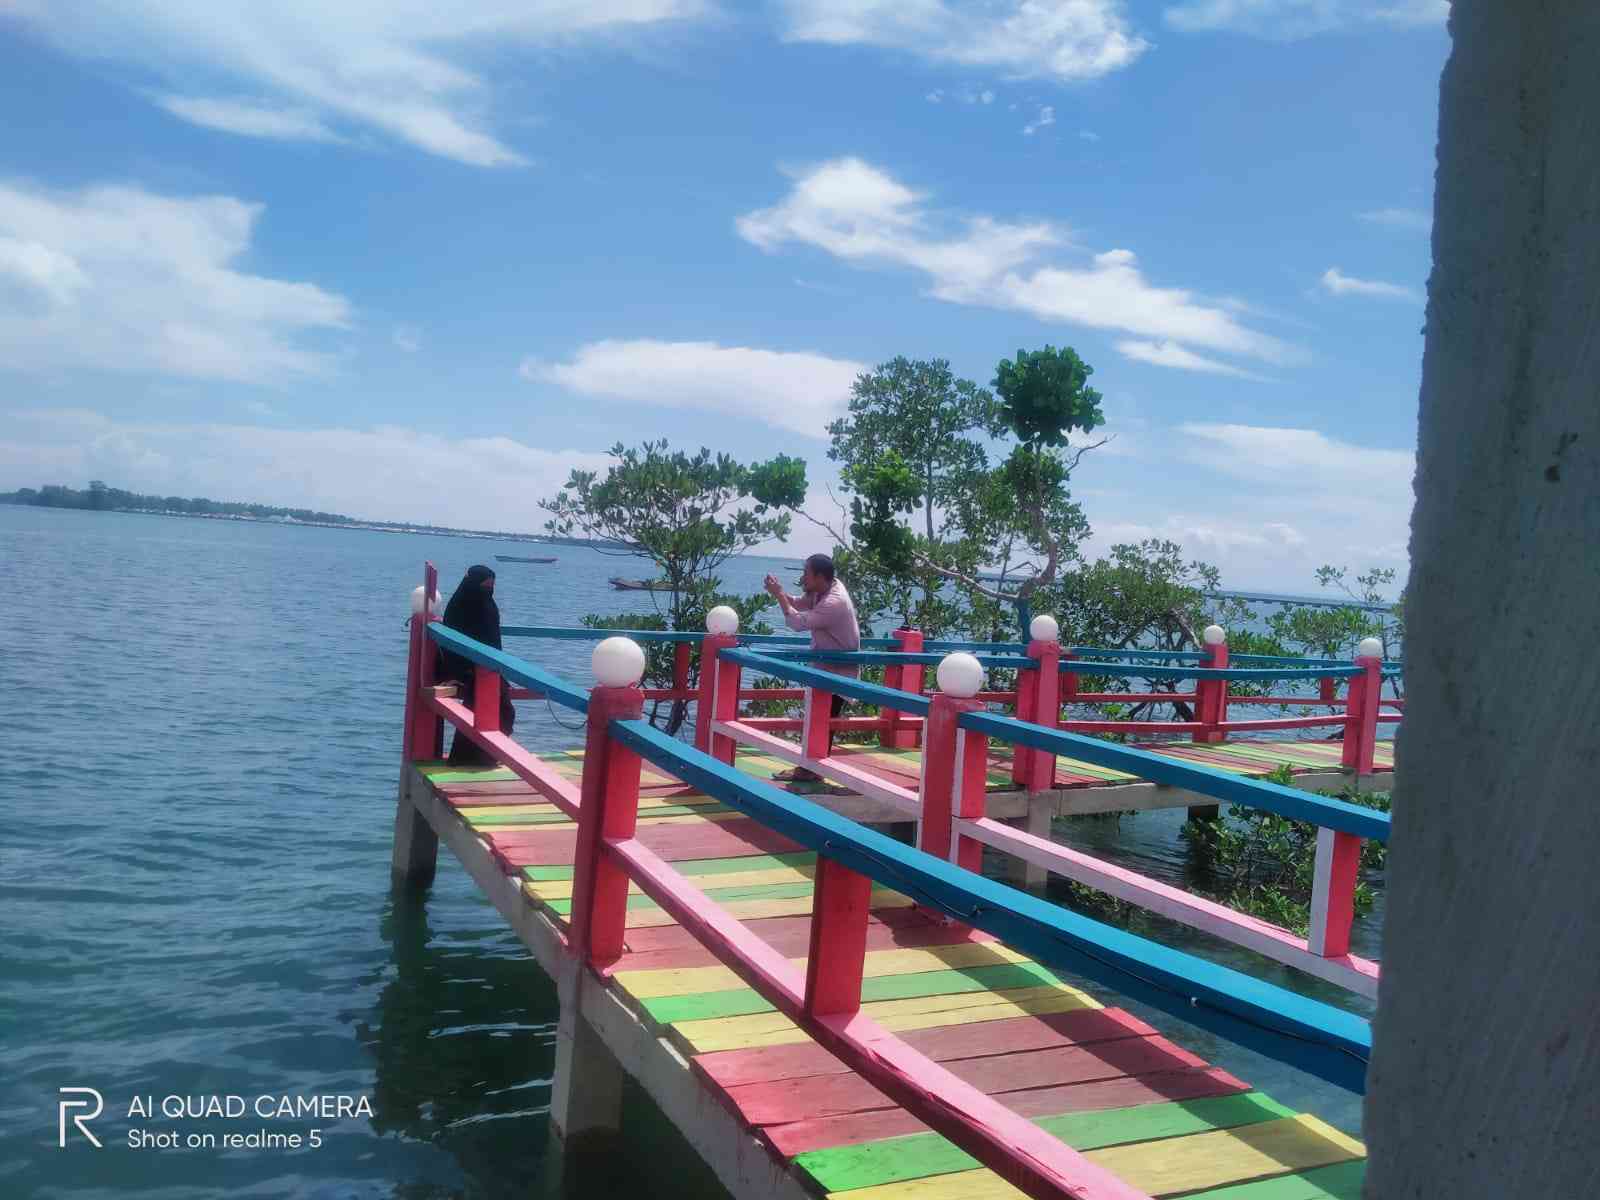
100,497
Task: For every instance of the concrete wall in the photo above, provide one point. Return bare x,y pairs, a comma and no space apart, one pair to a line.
1485,1079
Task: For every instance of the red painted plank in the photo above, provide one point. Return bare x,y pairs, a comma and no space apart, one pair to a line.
713,839
666,946
786,1100
821,1132
945,1043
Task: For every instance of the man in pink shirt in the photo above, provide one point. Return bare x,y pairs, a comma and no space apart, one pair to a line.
824,608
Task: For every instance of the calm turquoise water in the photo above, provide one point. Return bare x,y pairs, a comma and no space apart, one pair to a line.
194,881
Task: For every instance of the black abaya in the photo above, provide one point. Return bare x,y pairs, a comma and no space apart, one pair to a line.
472,612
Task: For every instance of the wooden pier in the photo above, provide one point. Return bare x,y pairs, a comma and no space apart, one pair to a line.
824,1011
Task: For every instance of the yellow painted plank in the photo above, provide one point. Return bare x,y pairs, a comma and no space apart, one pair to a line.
1222,1156
756,910
644,817
1167,1167
898,1016
561,889
688,981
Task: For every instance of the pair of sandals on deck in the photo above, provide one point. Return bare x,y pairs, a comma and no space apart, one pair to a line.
801,775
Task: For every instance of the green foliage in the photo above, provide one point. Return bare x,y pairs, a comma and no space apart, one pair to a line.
1045,395
688,514
1335,632
917,443
1264,864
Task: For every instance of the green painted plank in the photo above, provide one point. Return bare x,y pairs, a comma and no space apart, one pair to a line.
469,775
760,891
737,1002
556,816
701,866
920,1155
1341,1181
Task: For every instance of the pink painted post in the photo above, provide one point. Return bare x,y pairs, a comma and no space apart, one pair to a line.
816,739
1041,767
1027,706
908,678
1211,696
1328,690
838,953
938,784
1361,712
1333,893
680,667
725,707
706,706
971,798
426,740
609,811
486,700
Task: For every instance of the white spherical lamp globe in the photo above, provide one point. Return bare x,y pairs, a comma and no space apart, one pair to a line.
618,662
1369,648
1044,628
722,619
960,674
1215,635
417,602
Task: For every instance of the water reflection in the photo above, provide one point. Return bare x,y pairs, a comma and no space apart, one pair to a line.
463,1036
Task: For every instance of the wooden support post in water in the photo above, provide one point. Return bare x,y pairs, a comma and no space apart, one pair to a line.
908,678
587,1100
1333,893
415,856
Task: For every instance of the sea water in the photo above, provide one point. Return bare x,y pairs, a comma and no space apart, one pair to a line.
195,910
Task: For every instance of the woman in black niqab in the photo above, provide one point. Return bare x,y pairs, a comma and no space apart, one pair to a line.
473,612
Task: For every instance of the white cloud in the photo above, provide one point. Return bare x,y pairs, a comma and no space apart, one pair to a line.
483,483
249,119
1337,283
1399,218
1288,19
1088,135
985,97
935,97
118,278
861,214
1046,117
1170,354
794,391
1267,505
1065,40
407,338
398,67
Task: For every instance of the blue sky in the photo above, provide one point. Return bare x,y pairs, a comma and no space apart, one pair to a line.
413,264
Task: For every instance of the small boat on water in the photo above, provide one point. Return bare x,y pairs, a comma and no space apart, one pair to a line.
516,558
638,585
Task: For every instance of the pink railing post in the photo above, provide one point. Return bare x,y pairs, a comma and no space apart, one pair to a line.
609,811
1328,690
1362,701
1045,650
837,959
955,764
908,678
725,707
486,684
1027,706
816,738
705,708
423,737
1333,893
1211,695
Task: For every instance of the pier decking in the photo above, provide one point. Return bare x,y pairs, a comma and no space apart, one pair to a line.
824,1010
1154,1115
